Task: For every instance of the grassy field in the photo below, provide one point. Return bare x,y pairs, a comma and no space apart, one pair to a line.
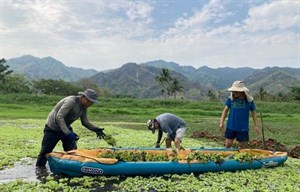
22,118
281,121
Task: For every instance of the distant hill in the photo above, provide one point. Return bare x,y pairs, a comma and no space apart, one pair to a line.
130,80
272,79
184,70
138,80
218,78
47,68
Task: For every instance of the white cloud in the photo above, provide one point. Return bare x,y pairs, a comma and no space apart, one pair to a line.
237,44
139,10
213,12
274,15
105,34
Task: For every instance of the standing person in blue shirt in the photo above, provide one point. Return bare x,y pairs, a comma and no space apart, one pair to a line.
58,123
171,124
240,103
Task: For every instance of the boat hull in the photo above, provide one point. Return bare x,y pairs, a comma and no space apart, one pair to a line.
68,164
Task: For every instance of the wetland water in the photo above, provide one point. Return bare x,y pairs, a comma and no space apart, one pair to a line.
25,170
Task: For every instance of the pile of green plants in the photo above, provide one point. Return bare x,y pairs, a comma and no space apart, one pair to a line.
110,140
135,156
205,158
244,157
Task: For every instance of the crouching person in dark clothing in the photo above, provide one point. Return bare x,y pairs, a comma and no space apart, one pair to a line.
58,123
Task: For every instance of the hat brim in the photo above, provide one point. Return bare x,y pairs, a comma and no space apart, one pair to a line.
236,89
150,125
89,98
153,130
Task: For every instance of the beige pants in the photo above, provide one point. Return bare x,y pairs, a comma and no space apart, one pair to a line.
180,133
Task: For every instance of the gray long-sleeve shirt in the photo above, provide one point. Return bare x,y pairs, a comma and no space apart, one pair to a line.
169,123
65,112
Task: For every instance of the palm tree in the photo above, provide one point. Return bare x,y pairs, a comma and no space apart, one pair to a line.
164,80
175,87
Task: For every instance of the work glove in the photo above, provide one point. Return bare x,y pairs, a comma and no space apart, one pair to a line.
73,136
157,145
100,133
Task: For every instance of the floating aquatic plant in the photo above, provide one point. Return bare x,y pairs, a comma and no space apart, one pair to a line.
110,140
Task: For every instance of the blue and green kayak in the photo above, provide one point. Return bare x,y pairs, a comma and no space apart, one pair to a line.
152,161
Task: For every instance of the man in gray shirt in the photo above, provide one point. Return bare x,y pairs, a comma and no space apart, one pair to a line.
171,124
58,123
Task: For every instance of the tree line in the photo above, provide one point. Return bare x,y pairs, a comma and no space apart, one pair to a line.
170,87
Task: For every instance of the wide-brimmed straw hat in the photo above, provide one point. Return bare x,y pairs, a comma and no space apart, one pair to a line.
150,125
90,94
239,86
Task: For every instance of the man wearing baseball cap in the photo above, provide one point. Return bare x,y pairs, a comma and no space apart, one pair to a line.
58,123
171,124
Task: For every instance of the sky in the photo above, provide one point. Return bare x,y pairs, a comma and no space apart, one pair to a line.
105,34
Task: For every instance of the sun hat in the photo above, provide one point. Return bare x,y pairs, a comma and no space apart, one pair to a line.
90,94
239,86
150,125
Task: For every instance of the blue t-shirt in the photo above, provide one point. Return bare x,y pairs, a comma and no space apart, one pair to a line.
238,119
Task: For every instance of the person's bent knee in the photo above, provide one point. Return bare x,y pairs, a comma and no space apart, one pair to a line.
177,140
168,143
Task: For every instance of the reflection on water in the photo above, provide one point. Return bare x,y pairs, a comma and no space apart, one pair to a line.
25,170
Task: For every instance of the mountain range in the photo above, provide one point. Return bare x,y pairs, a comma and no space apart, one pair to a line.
35,68
138,80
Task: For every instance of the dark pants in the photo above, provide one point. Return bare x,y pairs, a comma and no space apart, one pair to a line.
50,139
241,136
